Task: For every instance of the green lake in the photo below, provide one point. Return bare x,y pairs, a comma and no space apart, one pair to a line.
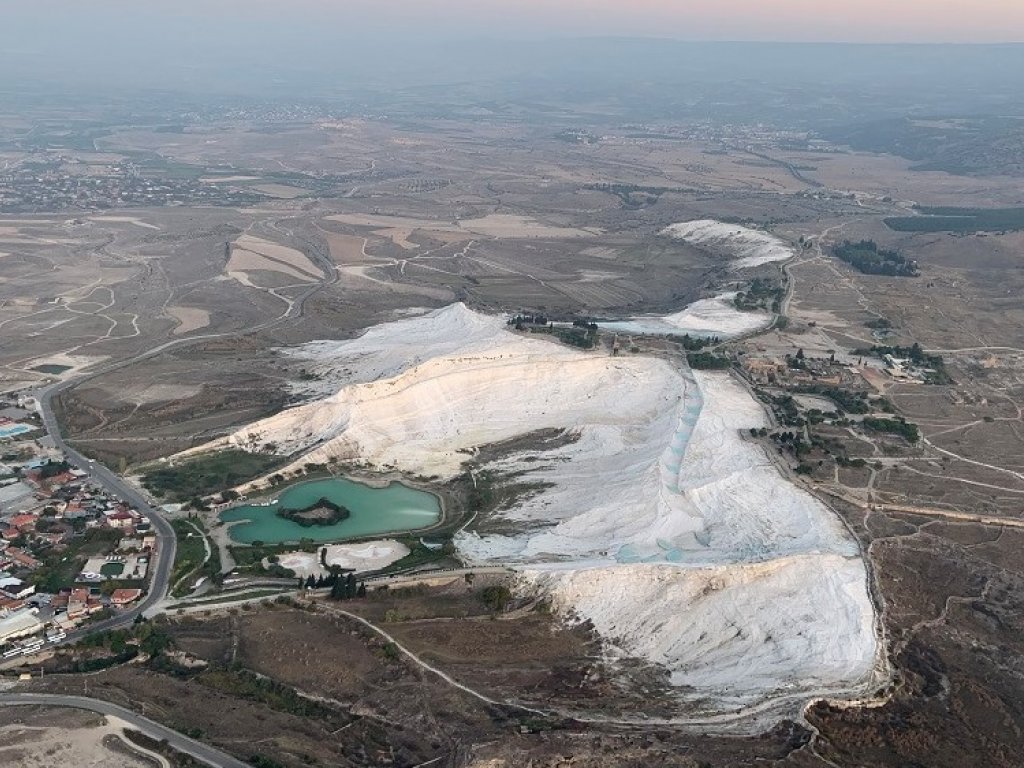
390,509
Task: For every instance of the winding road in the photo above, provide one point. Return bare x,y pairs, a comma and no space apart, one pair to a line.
166,542
180,742
162,564
163,559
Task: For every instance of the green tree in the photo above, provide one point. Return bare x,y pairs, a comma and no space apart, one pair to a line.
496,597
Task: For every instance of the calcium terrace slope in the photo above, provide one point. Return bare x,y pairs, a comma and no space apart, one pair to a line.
744,247
675,536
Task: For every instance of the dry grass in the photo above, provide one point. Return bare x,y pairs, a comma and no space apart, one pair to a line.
189,319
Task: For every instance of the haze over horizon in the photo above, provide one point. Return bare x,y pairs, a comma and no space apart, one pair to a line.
324,48
867,21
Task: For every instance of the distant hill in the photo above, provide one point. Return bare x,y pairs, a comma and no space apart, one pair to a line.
985,145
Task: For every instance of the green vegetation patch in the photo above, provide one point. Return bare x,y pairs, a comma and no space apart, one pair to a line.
865,256
208,473
897,426
104,650
694,343
582,337
241,683
707,361
966,220
420,555
496,597
250,555
53,468
323,511
583,333
62,566
188,555
850,402
51,368
760,294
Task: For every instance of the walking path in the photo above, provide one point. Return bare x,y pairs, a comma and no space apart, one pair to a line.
202,752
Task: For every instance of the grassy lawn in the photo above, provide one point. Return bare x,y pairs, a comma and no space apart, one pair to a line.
419,555
251,556
189,554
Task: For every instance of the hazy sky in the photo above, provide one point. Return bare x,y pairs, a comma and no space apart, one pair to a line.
309,47
775,20
806,20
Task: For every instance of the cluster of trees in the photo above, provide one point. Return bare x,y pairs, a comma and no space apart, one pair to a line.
796,362
786,410
694,343
584,338
343,586
793,441
236,681
53,468
122,645
897,426
521,321
865,256
884,404
948,219
208,474
481,490
844,461
761,294
496,598
707,361
334,513
582,334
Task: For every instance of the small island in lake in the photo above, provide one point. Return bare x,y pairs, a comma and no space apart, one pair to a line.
323,511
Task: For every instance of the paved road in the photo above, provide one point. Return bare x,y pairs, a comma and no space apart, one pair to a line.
437,574
191,747
162,562
161,566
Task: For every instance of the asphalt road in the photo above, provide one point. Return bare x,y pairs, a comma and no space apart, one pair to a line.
162,562
160,569
191,747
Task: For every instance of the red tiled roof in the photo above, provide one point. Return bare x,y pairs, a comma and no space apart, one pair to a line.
23,558
124,596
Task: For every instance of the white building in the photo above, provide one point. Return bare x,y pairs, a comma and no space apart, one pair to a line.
20,624
15,589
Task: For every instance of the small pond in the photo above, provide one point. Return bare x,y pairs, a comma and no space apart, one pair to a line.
388,509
